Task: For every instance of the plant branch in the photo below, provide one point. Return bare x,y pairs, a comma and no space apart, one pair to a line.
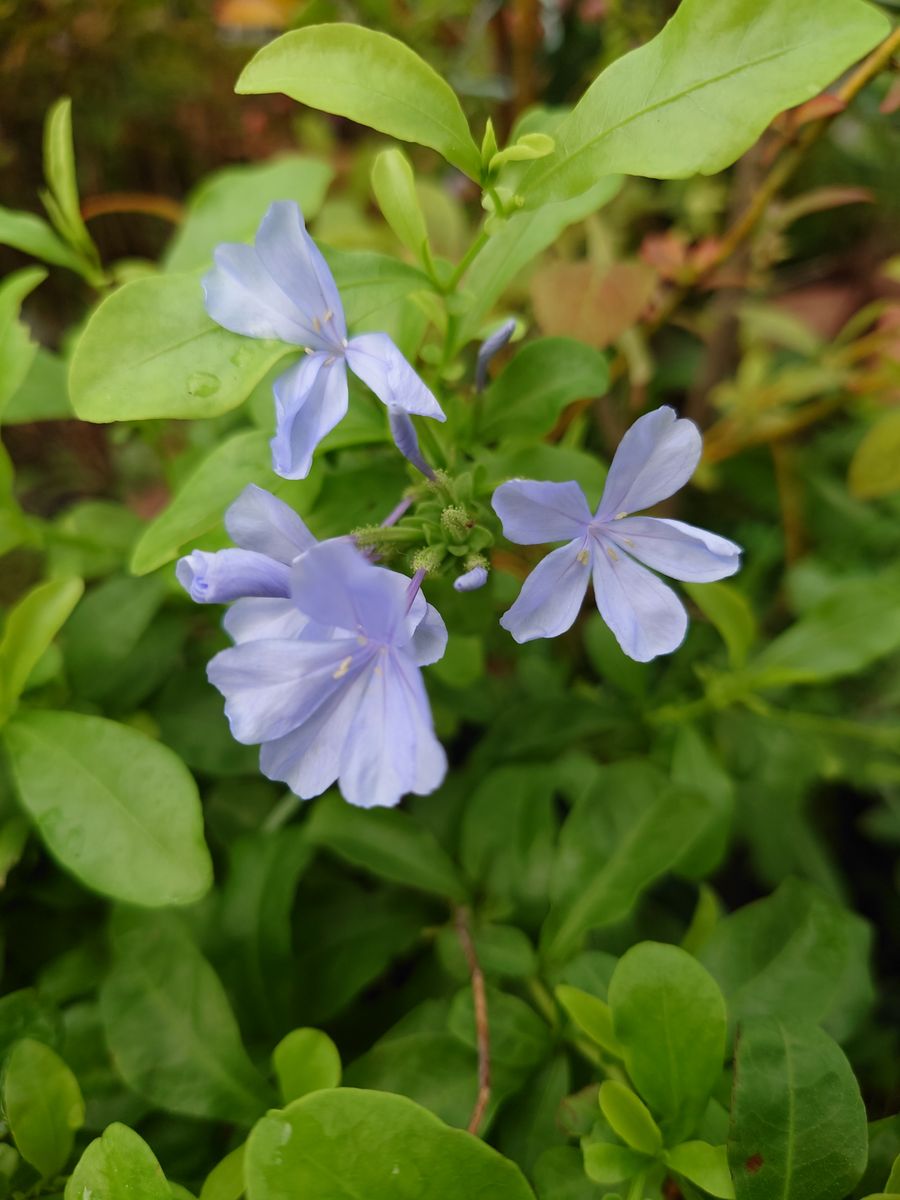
482,1028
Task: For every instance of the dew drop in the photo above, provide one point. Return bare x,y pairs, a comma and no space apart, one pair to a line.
201,383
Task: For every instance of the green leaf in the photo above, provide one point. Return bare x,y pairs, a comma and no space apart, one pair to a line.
118,810
669,1016
229,205
893,1183
305,1060
508,251
629,1117
546,376
394,186
31,234
638,827
170,1028
797,953
226,1180
26,1014
43,395
730,612
389,843
503,951
370,283
106,630
592,1015
370,78
150,350
705,1165
43,1105
798,1121
856,624
696,765
30,627
559,1175
116,1165
347,1144
607,1162
17,350
875,466
256,959
701,92
59,172
201,500
519,1037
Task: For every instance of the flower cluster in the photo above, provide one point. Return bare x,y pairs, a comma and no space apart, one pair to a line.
325,673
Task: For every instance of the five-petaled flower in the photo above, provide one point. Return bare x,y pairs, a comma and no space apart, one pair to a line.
281,287
657,456
325,674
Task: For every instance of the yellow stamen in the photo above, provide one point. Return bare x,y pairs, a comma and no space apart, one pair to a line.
612,554
583,557
343,668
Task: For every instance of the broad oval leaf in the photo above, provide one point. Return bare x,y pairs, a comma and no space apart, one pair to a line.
118,810
798,1121
150,350
42,1104
170,1028
669,1016
115,1165
697,96
306,1060
875,466
398,1149
370,78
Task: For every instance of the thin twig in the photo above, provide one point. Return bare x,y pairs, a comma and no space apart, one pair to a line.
482,1028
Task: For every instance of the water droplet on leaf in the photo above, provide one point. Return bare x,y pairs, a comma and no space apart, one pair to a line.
201,383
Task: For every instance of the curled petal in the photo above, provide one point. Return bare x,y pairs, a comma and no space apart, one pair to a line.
242,296
381,366
255,618
310,399
259,521
656,457
472,580
296,265
228,574
272,687
533,513
552,594
678,550
406,440
429,641
491,346
645,615
335,584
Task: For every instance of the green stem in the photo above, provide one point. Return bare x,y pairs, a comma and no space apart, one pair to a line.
466,261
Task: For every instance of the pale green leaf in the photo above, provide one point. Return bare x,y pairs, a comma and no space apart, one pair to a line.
42,1104
705,1165
305,1060
394,186
370,78
31,234
30,627
875,466
17,350
116,1165
629,1117
700,93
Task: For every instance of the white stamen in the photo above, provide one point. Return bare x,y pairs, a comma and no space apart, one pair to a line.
619,516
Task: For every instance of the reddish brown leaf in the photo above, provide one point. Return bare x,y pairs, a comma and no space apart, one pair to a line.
595,306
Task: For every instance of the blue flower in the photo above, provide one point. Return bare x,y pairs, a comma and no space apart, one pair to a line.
657,456
473,579
281,287
342,700
270,535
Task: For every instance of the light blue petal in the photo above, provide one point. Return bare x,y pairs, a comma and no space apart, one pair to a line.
472,580
428,643
334,583
391,748
381,366
656,457
296,265
534,513
678,550
552,594
257,617
645,615
228,574
272,687
259,521
491,346
242,296
310,399
407,440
